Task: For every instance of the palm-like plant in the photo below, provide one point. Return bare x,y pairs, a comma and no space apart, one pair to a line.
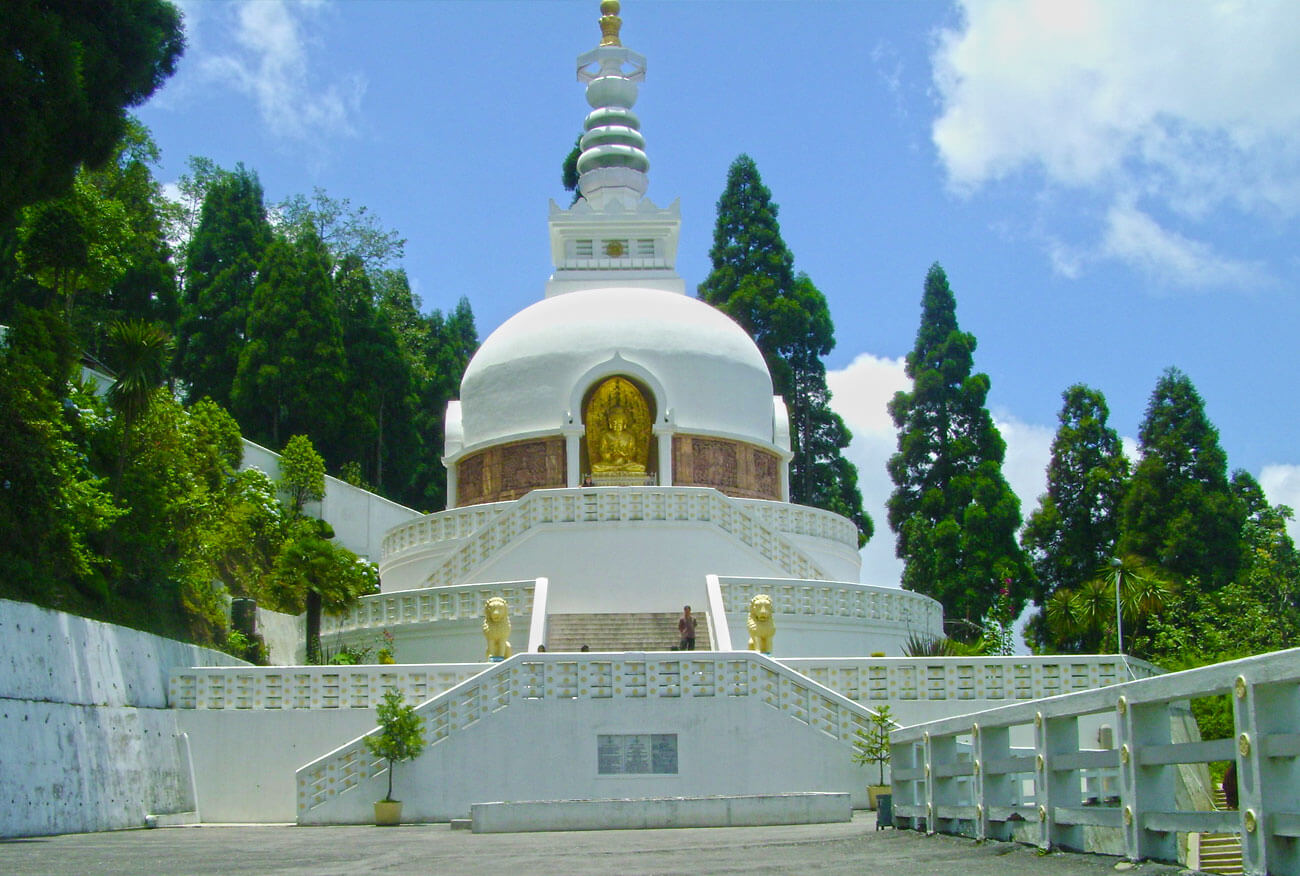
1087,614
140,352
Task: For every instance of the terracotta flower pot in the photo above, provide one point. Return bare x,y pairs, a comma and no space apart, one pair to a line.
388,813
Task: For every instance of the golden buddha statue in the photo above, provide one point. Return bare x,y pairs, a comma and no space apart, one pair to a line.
618,428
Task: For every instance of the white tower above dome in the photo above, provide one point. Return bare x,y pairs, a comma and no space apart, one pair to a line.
613,232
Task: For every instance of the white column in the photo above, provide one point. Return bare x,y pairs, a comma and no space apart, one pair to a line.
451,484
665,436
573,456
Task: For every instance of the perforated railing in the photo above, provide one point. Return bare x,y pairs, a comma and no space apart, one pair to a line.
429,605
597,677
274,688
962,775
640,504
909,610
900,679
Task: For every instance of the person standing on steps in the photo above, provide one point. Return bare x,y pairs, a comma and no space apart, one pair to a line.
686,629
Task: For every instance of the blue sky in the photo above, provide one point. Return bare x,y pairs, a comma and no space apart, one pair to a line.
1112,188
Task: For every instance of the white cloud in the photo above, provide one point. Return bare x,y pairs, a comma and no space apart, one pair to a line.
860,393
1029,447
1281,485
1190,106
266,53
1133,237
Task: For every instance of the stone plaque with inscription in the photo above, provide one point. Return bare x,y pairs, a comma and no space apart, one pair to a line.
636,754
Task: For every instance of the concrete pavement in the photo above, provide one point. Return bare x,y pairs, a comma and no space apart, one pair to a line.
849,848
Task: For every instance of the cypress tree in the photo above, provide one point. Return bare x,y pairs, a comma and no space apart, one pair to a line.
1180,511
753,281
1075,530
291,373
220,276
953,513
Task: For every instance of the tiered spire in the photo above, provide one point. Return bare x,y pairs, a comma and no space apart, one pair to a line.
613,236
613,162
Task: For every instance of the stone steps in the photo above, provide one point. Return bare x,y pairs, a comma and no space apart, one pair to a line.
645,631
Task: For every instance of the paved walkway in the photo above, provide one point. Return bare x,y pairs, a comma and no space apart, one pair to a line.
855,848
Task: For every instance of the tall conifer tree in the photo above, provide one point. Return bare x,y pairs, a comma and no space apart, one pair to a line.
291,373
220,275
1180,511
1075,529
753,281
954,515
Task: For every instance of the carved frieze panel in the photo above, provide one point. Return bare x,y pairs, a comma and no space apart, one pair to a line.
733,467
511,470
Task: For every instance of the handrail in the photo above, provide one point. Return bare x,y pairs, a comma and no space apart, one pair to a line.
595,676
903,679
795,519
589,505
442,526
285,688
963,769
849,599
429,605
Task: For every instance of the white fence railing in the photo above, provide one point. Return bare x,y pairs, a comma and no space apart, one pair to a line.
629,505
844,599
877,680
961,775
633,676
272,688
429,605
442,526
803,520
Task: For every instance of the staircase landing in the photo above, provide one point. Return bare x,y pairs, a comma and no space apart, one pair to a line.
646,631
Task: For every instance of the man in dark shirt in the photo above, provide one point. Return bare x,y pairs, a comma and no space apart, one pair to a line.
686,629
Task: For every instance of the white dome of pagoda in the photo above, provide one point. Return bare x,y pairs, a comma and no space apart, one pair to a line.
702,371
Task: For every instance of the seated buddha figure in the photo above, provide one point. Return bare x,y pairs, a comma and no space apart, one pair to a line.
618,447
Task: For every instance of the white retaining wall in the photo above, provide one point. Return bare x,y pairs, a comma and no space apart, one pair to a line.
86,739
360,518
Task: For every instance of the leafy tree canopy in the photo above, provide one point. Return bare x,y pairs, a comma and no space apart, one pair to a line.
68,69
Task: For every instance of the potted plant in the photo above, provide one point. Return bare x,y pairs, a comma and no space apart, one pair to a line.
400,737
871,745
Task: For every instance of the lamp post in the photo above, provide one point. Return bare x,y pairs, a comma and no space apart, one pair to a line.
1118,565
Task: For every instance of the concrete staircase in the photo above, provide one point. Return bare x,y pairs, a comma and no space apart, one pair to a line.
1220,852
647,631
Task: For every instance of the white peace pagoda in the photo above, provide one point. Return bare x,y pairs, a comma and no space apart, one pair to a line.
616,453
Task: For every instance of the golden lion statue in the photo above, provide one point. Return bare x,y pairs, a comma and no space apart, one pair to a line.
761,626
496,627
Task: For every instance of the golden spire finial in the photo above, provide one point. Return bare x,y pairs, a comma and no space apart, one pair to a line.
609,23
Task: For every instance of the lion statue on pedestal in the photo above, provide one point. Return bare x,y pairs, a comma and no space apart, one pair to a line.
761,626
496,627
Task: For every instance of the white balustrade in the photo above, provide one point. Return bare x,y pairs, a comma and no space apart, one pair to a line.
961,775
802,520
633,676
429,605
442,526
623,504
836,599
273,688
878,680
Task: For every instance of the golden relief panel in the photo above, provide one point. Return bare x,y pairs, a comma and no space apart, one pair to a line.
511,470
618,419
734,467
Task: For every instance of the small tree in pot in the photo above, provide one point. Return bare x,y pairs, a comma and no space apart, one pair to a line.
401,737
871,745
